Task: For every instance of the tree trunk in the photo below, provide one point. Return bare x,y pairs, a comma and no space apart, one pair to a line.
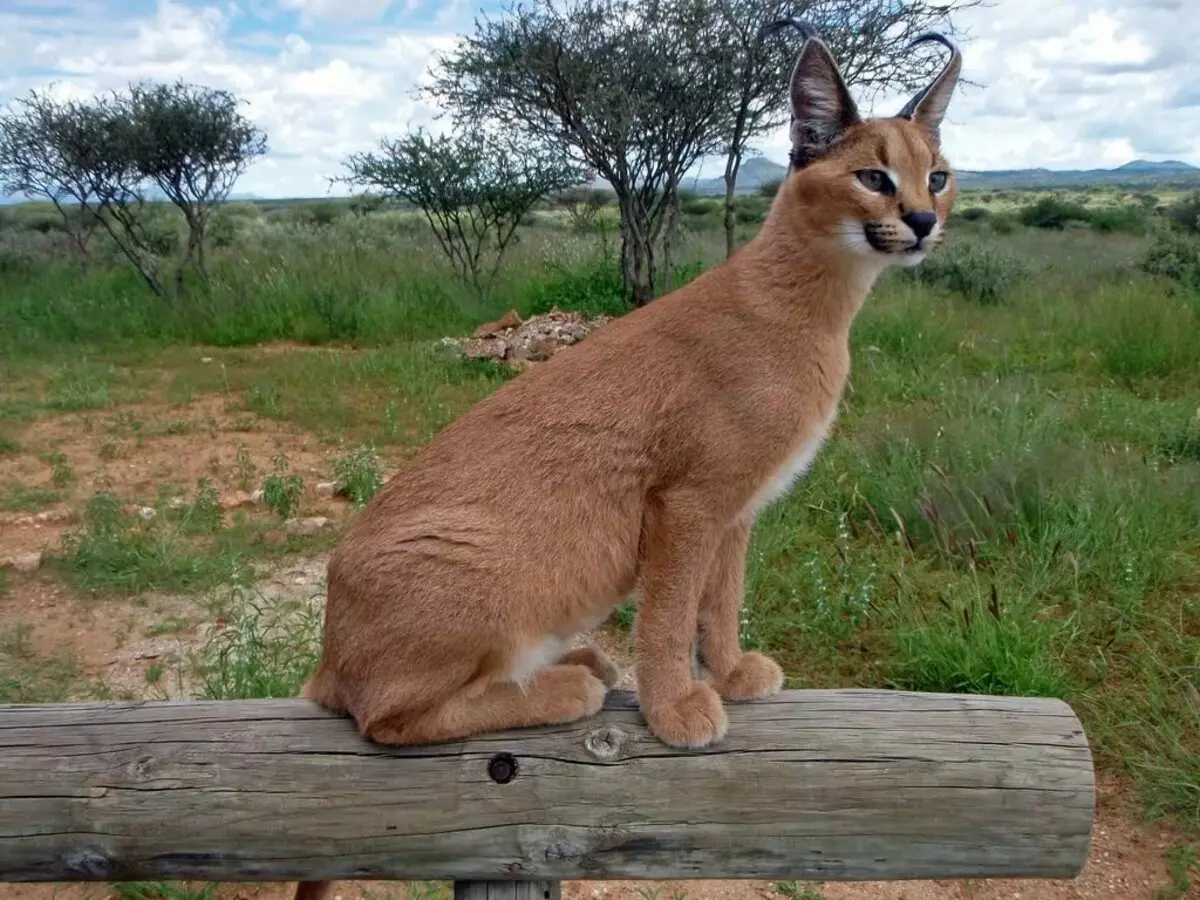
201,263
669,234
732,164
637,253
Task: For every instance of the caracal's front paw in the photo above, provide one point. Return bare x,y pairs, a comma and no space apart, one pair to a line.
754,677
602,667
572,692
696,719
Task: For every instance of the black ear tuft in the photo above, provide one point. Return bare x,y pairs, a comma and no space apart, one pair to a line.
928,107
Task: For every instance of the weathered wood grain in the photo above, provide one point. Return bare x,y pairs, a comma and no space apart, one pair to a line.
833,785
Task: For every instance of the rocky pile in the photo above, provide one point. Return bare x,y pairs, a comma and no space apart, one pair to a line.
519,343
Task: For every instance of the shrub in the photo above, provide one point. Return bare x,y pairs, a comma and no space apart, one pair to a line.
700,206
1004,223
974,214
1174,255
980,274
1051,212
770,188
1129,219
1185,213
750,208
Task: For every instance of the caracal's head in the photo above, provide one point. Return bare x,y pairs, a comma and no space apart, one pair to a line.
878,189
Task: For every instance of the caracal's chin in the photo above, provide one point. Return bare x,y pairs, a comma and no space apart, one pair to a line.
906,257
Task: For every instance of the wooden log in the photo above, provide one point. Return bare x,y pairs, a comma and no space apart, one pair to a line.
809,785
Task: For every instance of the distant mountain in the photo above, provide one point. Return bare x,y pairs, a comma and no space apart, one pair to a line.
1146,165
153,195
1138,173
755,171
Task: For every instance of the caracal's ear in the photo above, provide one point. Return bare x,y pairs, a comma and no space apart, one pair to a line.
928,107
822,108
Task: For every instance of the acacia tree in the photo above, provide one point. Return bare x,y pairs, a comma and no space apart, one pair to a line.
77,153
473,188
631,89
869,39
42,144
193,143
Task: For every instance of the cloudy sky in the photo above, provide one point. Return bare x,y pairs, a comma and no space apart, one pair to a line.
1064,83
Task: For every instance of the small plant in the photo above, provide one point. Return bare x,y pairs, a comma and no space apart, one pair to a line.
245,471
61,473
8,446
267,650
282,490
981,274
796,890
163,890
358,474
204,514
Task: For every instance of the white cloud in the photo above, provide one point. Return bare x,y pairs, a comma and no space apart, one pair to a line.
1070,84
1066,83
320,93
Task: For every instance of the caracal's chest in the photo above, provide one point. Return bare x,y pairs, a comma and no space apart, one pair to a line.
807,445
805,420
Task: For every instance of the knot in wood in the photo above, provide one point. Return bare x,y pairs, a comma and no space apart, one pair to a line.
562,849
605,743
502,768
88,862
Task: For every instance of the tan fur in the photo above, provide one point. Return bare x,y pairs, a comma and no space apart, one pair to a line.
635,461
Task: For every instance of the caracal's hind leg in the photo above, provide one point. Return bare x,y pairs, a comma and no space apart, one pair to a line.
596,660
552,696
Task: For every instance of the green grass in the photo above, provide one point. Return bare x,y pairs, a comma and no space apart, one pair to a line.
268,649
16,496
115,550
1011,503
1182,866
164,890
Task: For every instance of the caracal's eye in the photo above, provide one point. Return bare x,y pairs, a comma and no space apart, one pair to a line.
876,180
937,181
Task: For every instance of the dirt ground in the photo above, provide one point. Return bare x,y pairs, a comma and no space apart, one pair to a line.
119,644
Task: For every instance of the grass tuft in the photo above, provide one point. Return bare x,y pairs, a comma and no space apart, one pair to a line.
267,649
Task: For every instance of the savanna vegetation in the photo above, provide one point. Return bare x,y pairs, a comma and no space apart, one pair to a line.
1011,502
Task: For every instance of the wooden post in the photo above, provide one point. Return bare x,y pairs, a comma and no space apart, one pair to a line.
809,785
507,890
